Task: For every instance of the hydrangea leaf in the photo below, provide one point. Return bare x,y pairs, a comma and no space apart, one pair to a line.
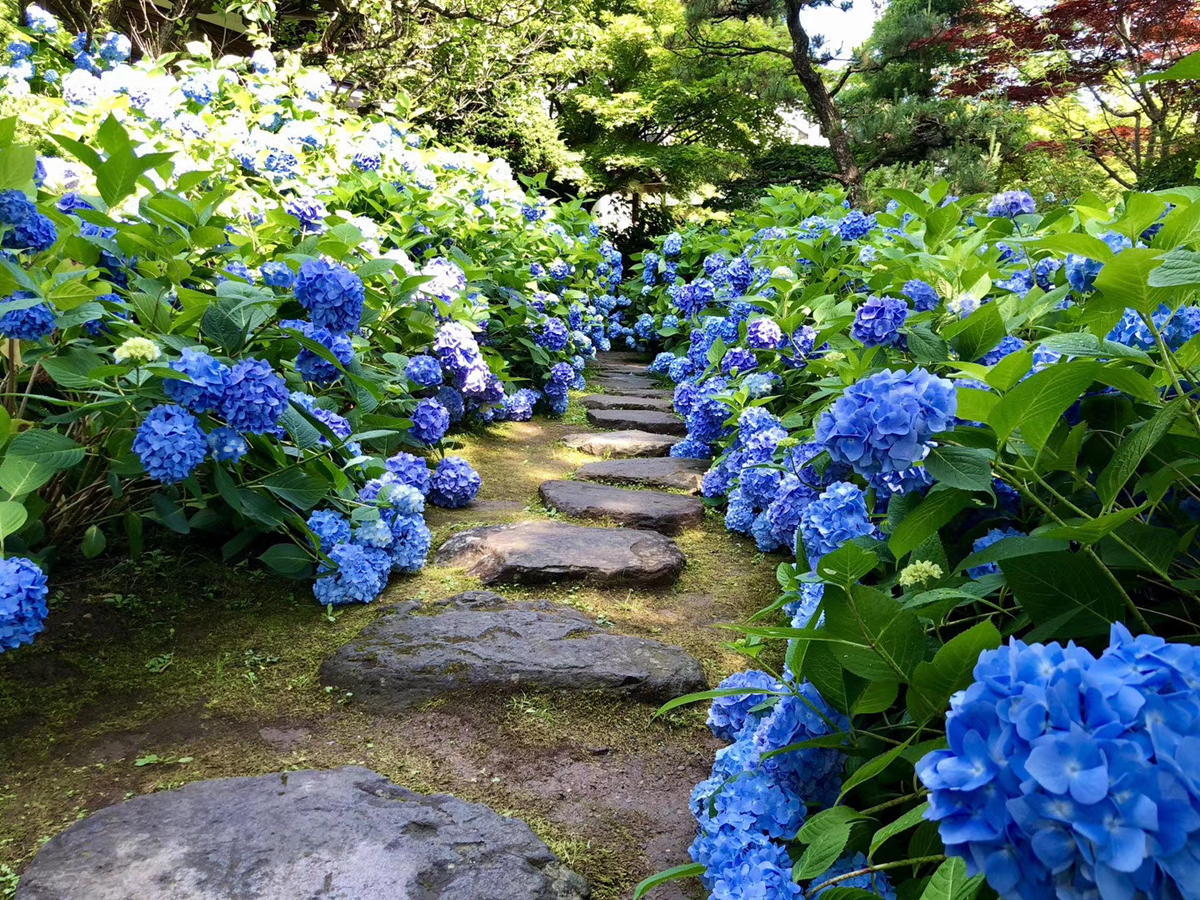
950,670
1133,449
1036,405
890,638
910,819
1065,594
691,870
950,882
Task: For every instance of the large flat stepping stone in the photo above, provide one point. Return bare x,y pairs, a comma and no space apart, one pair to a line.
621,368
639,419
344,834
625,356
538,552
668,472
476,643
622,444
620,381
626,391
665,513
619,401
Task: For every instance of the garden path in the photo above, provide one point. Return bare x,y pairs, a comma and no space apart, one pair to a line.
604,784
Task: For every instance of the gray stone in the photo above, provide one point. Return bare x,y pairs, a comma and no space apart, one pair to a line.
622,443
620,368
627,391
343,834
537,552
640,419
476,643
619,401
618,382
666,513
669,472
625,356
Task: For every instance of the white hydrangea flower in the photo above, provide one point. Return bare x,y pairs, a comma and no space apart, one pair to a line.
137,350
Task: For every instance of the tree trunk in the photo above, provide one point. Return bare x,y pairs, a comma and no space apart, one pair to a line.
826,111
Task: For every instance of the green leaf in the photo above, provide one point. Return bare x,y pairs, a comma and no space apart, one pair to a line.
289,560
846,565
698,696
910,819
949,671
133,533
967,468
1036,405
938,508
1133,449
984,330
950,882
1184,70
691,870
823,849
1010,547
1089,531
34,457
301,490
169,513
222,328
883,640
873,767
93,543
1179,269
975,405
17,164
12,517
1125,281
1065,594
117,178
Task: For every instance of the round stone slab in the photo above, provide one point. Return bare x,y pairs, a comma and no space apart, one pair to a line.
617,401
538,552
655,510
641,419
669,472
476,643
343,834
622,443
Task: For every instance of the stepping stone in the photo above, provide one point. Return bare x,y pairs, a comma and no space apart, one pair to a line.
537,552
346,833
618,401
619,382
622,443
621,368
668,472
665,513
640,419
624,391
625,356
477,643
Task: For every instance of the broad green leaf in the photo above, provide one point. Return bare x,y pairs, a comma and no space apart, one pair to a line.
93,543
910,819
289,560
1186,69
938,508
983,330
1065,594
846,565
699,696
12,517
823,850
1133,449
949,671
1179,268
1088,531
1181,228
301,490
967,468
975,405
1010,547
950,882
884,640
1125,281
169,513
873,767
1036,405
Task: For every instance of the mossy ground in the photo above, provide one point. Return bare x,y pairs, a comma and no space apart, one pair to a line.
178,667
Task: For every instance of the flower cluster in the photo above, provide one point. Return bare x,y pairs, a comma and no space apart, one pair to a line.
1070,773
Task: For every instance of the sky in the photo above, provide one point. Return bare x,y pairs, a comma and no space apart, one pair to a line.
844,30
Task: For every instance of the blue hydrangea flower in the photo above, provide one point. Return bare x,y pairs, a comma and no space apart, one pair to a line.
374,533
553,335
661,364
409,470
411,540
30,324
814,774
832,519
430,420
672,245
680,369
454,483
801,611
255,397
330,527
15,207
332,294
424,371
764,334
885,422
738,359
1010,204
730,716
877,322
691,448
170,443
35,233
876,883
758,384
277,274
924,298
1067,772
453,401
227,445
992,537
854,225
740,514
313,367
359,577
22,602
776,528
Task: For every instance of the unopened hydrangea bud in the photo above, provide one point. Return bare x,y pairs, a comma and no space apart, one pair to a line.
920,572
137,350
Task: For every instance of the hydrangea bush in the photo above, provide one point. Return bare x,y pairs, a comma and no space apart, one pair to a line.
230,306
971,428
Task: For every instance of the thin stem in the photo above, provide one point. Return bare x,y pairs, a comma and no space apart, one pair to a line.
867,870
890,803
